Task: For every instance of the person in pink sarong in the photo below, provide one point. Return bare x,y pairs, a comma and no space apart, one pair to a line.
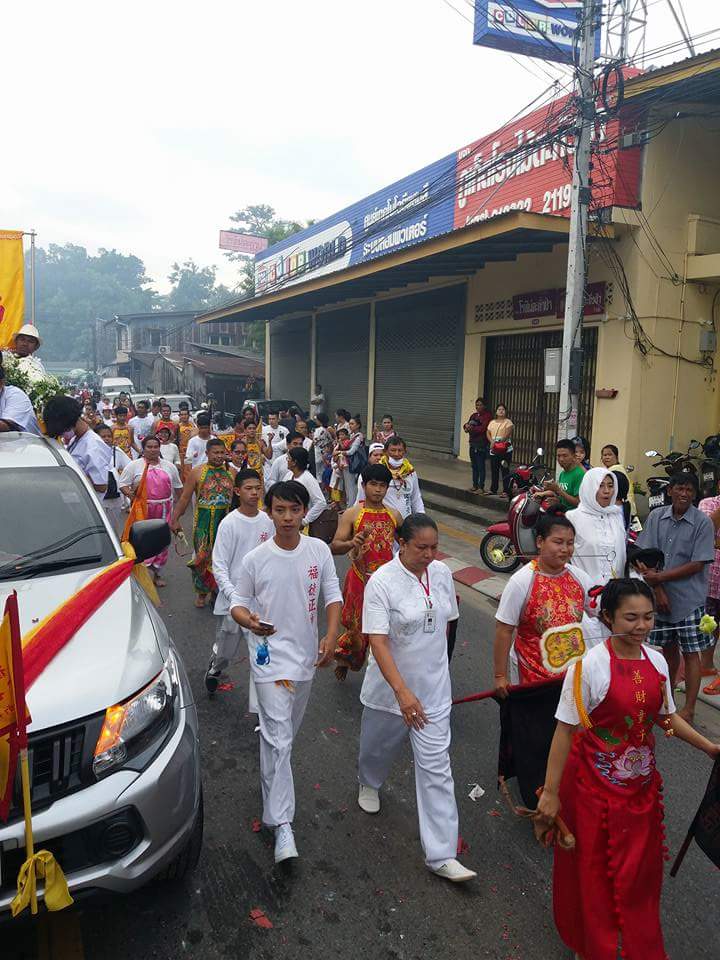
155,483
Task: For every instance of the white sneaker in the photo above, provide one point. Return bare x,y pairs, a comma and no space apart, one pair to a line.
368,799
285,848
454,871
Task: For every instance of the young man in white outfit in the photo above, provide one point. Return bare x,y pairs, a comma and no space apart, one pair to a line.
404,491
196,451
279,466
63,418
275,435
282,580
240,532
141,425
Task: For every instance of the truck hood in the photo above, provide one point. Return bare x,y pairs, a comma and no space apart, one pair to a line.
112,656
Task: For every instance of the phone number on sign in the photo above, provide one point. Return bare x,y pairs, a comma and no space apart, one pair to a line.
553,201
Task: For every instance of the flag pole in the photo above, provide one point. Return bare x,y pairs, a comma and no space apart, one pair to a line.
32,278
27,808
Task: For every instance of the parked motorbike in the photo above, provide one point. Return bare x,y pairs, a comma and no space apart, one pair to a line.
527,475
710,466
510,543
673,463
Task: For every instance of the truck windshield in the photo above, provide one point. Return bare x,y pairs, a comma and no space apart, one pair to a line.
49,523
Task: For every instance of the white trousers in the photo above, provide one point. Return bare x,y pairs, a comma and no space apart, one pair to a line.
228,639
280,713
382,735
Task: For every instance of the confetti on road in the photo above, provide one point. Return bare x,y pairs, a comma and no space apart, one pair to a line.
494,813
256,825
462,846
259,918
224,687
476,792
333,730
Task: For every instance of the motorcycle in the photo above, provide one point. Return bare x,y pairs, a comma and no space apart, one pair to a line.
527,475
710,466
673,463
510,543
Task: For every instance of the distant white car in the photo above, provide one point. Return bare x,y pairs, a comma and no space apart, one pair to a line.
117,385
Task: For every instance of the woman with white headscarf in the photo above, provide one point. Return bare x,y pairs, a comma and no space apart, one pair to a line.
600,536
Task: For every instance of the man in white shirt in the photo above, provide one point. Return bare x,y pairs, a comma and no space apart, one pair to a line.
142,425
196,451
240,532
281,580
113,501
275,435
279,467
404,491
298,459
27,341
16,411
63,418
168,450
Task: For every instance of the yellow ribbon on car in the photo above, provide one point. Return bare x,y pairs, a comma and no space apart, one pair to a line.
141,573
41,866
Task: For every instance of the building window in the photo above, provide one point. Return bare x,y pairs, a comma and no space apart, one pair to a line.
156,337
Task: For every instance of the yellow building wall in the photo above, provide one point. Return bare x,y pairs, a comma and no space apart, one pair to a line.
661,401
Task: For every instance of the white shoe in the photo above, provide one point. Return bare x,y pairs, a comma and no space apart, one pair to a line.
368,799
454,871
285,848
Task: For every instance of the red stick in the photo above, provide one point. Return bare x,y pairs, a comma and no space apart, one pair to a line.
487,694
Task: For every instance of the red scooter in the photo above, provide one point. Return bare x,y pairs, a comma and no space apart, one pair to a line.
509,544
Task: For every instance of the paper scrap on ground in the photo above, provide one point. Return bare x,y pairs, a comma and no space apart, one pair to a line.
476,792
260,919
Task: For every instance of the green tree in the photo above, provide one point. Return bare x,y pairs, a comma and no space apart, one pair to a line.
74,289
260,220
194,288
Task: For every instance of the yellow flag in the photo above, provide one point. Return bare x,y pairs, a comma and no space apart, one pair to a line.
12,288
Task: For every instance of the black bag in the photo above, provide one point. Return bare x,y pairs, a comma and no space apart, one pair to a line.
112,492
358,460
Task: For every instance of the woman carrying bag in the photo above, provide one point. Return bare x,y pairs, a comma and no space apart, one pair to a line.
499,434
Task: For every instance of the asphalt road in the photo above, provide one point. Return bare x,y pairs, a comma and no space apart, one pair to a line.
360,888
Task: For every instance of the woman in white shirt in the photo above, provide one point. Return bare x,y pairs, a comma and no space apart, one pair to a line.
406,610
600,537
297,461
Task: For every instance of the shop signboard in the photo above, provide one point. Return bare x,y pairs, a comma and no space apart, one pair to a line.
533,28
551,303
248,243
523,166
413,210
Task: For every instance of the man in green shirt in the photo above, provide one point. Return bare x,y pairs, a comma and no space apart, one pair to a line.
567,486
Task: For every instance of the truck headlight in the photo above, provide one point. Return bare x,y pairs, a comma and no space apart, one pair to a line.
132,726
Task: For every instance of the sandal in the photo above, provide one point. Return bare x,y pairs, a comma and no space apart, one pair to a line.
713,689
201,600
709,672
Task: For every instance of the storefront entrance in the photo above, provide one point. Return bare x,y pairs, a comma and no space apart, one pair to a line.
514,375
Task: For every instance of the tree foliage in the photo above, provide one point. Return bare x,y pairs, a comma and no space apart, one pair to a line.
194,287
73,289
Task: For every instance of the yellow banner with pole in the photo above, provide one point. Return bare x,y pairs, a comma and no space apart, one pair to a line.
12,286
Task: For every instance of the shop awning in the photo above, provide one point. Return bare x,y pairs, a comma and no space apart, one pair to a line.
457,254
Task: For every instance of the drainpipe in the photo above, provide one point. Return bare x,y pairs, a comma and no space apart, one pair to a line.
677,359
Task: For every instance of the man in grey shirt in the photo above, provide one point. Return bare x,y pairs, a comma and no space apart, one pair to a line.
687,539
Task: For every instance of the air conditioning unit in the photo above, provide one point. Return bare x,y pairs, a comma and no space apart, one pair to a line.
164,349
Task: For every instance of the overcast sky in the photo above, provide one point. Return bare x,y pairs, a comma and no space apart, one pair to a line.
143,125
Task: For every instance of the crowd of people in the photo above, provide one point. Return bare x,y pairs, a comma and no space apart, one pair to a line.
602,622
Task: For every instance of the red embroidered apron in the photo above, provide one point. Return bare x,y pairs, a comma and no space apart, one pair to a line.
378,524
553,602
609,885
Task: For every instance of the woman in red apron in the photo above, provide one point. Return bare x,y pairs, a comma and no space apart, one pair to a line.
606,891
546,593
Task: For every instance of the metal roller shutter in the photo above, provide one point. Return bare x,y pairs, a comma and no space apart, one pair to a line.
290,361
418,367
515,375
342,343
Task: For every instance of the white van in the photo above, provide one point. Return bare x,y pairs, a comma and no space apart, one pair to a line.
117,385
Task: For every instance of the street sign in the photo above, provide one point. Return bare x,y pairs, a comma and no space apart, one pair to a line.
533,28
242,242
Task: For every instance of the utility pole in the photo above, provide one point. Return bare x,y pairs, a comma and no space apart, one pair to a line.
95,345
571,366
